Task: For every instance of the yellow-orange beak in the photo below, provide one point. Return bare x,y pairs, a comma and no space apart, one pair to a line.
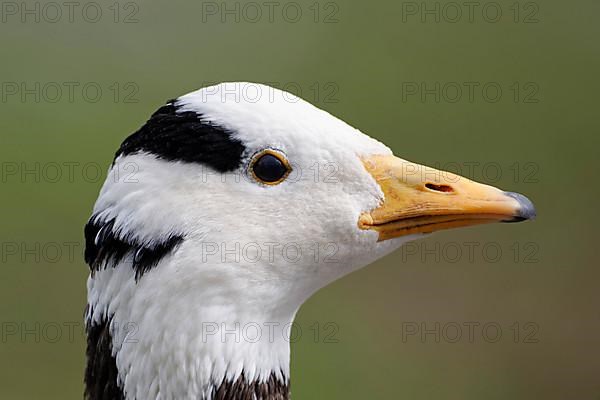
420,199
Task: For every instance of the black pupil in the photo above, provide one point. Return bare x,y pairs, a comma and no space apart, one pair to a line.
269,168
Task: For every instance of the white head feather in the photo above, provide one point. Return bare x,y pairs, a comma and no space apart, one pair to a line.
252,253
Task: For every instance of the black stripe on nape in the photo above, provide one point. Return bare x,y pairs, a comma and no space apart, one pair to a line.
103,248
183,136
241,389
101,374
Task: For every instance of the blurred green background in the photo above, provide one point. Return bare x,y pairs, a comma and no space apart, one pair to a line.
375,65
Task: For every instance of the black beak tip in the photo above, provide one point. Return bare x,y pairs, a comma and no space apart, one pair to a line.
526,208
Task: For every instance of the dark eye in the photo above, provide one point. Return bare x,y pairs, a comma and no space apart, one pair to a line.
270,167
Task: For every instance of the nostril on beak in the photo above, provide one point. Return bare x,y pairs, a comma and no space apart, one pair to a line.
439,188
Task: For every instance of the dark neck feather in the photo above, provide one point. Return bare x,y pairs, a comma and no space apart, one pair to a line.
241,389
101,370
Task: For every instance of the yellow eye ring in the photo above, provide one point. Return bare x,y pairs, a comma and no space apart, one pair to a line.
269,167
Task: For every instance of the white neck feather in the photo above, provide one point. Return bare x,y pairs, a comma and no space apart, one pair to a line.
184,346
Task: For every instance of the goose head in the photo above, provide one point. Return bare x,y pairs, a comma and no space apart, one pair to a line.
221,215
